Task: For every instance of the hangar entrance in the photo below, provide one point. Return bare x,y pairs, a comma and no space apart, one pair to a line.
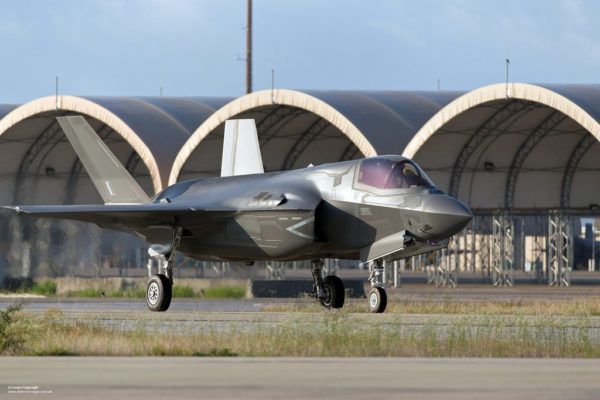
289,137
40,167
529,173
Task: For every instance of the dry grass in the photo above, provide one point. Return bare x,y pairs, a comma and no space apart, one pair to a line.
579,308
336,334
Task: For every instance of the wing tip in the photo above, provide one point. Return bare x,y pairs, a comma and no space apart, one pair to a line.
16,209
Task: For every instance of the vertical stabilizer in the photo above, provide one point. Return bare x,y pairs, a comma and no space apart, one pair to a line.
241,151
111,179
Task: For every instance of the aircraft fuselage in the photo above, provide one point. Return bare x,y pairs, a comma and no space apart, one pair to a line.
328,211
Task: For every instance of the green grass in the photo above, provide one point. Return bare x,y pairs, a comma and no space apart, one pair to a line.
95,292
11,336
183,291
217,292
137,292
224,292
48,288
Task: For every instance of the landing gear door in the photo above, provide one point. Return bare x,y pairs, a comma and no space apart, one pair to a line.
161,238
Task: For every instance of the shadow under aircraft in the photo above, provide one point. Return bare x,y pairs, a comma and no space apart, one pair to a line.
377,209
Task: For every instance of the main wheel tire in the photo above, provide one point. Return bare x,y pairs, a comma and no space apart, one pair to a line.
377,300
334,292
159,292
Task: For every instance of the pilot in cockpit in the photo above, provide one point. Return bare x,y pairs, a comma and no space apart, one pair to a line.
409,176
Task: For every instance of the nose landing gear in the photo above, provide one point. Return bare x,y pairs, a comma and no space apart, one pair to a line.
377,300
377,296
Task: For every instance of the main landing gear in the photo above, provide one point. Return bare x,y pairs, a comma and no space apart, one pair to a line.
329,291
159,289
377,297
159,292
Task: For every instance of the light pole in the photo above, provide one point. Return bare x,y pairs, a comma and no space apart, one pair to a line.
249,48
507,90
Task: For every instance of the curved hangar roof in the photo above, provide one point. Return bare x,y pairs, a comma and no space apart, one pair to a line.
520,147
145,134
535,148
299,128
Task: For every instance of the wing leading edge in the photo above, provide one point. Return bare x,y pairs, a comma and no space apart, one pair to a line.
116,217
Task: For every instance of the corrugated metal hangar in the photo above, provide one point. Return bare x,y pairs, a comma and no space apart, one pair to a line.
514,153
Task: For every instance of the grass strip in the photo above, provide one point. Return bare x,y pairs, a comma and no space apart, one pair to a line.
217,292
588,307
327,334
48,288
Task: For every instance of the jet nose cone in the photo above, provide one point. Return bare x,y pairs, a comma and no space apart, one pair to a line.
445,216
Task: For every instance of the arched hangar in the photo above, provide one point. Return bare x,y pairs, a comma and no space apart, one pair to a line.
298,128
39,166
520,147
517,146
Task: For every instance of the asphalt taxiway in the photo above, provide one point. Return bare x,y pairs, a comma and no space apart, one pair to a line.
298,378
410,292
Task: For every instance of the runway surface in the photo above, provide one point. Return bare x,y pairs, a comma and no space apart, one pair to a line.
299,378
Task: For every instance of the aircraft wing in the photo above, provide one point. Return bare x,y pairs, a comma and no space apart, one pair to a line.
132,217
122,217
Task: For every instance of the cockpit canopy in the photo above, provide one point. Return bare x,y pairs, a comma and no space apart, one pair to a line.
392,173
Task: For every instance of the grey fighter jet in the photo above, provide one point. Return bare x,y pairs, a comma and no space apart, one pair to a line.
377,209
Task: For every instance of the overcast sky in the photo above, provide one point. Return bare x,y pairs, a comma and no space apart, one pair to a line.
189,47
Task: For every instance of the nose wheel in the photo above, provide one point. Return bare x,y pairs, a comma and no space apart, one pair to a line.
377,300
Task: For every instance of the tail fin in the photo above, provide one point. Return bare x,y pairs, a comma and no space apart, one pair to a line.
241,151
111,179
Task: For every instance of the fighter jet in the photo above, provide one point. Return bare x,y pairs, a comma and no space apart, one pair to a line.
376,210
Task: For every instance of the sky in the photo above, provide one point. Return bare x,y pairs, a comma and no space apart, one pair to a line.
191,47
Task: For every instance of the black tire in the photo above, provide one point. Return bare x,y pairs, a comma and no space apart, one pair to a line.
377,299
159,291
334,292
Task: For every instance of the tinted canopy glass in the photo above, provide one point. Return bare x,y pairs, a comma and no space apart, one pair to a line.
387,173
173,191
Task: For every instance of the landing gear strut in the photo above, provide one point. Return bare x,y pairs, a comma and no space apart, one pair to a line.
159,289
329,291
377,297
